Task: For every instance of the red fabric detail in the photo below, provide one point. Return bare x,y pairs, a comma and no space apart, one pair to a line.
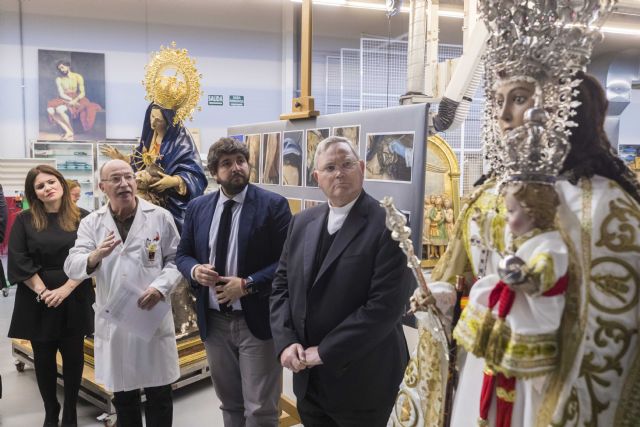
494,296
507,296
84,108
504,409
488,382
559,288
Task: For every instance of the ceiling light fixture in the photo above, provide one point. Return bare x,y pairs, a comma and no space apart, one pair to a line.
446,13
621,30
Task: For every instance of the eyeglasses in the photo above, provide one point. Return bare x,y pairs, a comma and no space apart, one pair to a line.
115,180
347,166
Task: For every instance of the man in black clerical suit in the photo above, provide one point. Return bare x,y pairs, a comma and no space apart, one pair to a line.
337,301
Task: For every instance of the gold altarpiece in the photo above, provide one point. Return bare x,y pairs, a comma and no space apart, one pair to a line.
441,199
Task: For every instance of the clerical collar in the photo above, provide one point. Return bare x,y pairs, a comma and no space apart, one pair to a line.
238,198
337,215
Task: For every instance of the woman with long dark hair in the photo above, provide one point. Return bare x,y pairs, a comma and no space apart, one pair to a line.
51,311
590,152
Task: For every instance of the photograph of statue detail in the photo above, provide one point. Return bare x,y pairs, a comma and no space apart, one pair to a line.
253,143
295,205
292,158
352,133
314,136
389,156
630,154
438,224
271,147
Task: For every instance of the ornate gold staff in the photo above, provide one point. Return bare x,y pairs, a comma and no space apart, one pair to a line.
396,222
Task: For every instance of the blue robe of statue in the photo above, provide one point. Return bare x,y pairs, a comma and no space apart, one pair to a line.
178,156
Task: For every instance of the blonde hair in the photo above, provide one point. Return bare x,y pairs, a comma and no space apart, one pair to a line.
72,183
539,201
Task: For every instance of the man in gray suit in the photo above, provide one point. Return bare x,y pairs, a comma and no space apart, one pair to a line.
338,298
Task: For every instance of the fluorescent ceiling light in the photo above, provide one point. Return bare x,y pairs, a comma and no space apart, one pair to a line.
448,13
621,30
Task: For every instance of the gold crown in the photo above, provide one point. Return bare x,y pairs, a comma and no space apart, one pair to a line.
172,81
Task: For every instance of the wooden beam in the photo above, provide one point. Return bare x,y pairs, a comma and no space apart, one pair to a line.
304,106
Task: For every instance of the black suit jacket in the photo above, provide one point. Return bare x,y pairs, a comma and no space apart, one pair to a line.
351,309
263,226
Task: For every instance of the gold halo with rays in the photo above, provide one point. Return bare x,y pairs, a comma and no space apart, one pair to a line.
172,81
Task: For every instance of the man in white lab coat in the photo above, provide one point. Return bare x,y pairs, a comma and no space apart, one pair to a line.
130,242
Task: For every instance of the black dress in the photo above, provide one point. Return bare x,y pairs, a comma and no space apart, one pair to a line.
44,252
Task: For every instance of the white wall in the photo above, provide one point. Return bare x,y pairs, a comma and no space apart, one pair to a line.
240,47
241,55
629,123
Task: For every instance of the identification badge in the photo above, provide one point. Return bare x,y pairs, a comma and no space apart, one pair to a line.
152,247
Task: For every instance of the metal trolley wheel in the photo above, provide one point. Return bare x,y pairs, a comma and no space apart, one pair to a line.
109,420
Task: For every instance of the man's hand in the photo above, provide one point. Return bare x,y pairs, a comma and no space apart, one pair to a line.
312,357
293,358
166,182
149,298
205,275
103,250
229,290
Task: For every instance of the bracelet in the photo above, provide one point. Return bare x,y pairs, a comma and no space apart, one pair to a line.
39,296
245,292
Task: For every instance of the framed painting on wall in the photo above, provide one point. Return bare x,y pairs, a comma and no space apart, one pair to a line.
71,96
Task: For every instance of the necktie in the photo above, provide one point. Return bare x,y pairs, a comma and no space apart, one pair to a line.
222,245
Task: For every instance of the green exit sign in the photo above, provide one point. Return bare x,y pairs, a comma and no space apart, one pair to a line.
216,100
236,100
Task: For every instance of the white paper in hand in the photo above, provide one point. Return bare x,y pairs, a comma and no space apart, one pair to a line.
122,309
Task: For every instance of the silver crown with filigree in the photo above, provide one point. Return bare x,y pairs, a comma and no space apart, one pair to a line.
544,42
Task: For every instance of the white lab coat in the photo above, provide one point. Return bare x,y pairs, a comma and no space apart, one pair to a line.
124,361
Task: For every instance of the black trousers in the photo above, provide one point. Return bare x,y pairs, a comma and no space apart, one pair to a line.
314,413
158,410
44,360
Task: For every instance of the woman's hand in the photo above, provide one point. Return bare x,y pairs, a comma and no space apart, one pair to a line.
55,297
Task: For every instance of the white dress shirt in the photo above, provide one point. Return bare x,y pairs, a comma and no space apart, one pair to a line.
232,253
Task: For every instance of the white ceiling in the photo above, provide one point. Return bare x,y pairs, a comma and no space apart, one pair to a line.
267,15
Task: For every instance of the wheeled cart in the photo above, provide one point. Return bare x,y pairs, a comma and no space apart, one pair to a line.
193,367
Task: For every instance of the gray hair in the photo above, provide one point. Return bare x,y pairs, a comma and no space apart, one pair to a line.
328,142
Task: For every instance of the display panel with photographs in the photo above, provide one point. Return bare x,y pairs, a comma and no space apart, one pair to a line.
389,156
312,203
314,136
400,130
71,96
630,154
271,157
292,158
295,205
352,133
255,157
